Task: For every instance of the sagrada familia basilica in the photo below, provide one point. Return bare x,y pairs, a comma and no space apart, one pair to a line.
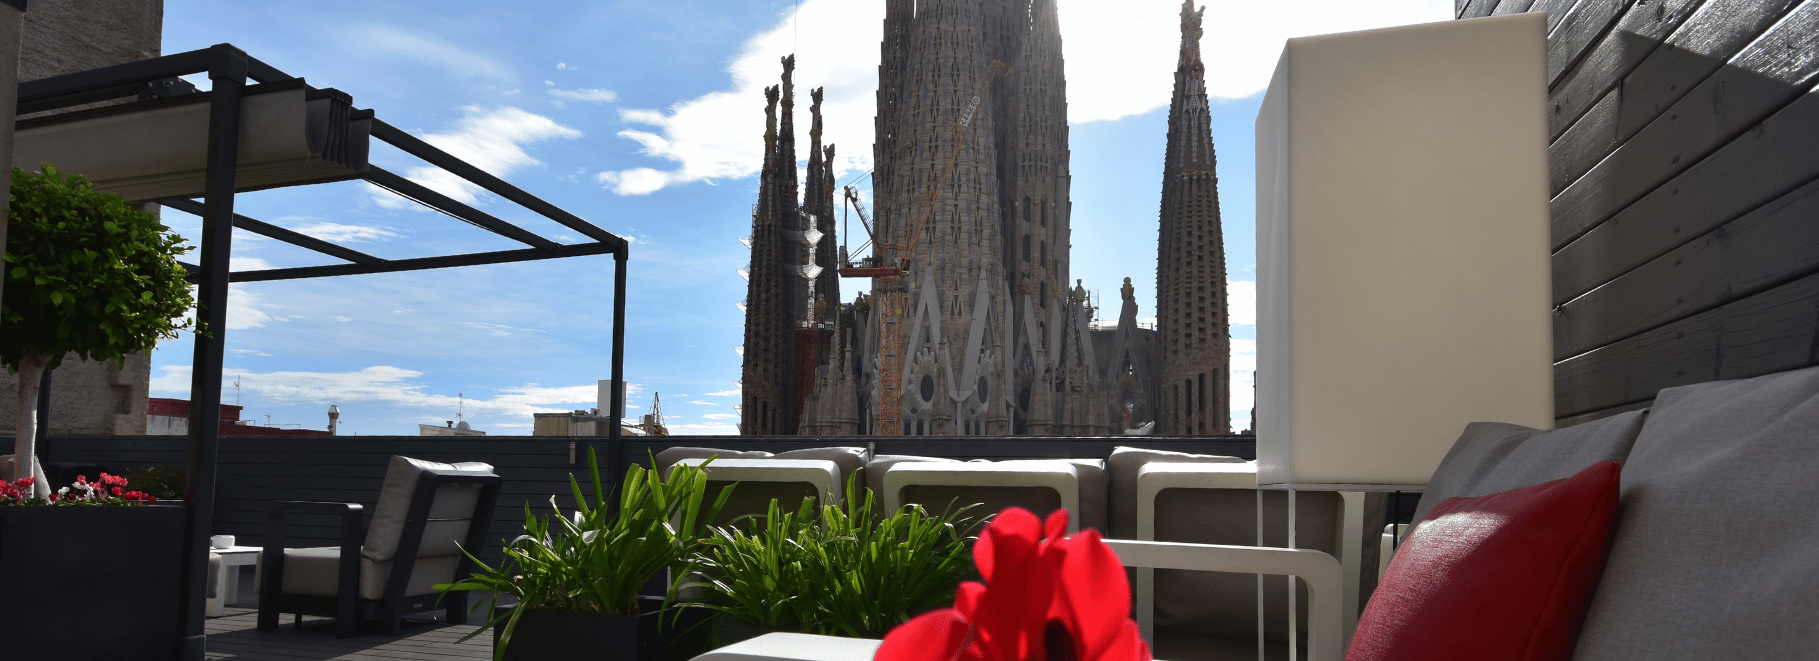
969,325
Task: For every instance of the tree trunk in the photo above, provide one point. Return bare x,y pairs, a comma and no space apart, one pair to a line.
25,440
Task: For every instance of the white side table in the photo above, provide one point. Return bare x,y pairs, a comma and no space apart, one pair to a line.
227,585
795,647
1061,476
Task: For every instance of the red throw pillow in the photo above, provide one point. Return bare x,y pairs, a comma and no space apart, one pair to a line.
1503,576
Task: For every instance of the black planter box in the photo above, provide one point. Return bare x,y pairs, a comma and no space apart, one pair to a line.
558,636
99,582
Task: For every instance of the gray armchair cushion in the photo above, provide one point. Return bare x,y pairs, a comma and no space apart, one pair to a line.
875,469
452,502
1716,554
1121,470
669,457
851,460
1491,457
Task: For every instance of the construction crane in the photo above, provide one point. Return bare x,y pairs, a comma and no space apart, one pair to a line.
653,421
893,262
852,201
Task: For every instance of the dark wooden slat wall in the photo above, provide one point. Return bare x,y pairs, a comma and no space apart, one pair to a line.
1685,170
254,471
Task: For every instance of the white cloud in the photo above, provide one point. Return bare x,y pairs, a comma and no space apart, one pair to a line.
499,330
455,59
735,392
705,403
720,416
242,306
1120,60
338,232
385,385
1121,56
721,135
589,95
1241,302
562,66
1244,367
492,140
512,91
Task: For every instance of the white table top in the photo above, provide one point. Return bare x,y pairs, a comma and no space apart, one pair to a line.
235,550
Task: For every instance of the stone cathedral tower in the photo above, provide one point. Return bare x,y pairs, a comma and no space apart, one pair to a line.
791,285
978,163
1190,260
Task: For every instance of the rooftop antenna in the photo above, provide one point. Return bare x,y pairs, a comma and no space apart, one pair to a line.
461,407
237,389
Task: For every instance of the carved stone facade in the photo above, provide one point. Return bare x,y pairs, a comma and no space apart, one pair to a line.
973,162
977,165
1190,261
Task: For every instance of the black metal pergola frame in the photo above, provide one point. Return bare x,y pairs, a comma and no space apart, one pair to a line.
229,69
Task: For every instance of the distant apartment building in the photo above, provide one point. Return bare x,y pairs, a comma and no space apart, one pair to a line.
170,417
453,428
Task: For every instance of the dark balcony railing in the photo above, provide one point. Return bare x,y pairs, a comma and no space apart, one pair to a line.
255,470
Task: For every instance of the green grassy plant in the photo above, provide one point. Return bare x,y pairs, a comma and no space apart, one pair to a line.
845,572
595,559
164,481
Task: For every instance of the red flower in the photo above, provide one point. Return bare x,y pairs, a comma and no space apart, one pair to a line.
1045,598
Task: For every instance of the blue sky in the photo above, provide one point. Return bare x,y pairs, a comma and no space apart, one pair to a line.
646,119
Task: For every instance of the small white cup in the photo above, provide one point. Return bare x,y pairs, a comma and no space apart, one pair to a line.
221,541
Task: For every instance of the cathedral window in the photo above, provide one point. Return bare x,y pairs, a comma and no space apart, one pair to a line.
1045,213
1043,254
1026,247
1026,209
1203,394
1042,296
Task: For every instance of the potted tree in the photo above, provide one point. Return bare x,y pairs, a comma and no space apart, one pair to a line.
89,276
576,577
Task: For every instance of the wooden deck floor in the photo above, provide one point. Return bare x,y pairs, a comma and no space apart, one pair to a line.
237,637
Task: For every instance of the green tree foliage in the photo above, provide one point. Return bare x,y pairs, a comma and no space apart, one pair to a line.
86,273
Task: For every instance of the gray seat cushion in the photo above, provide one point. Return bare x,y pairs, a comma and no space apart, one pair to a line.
1492,456
313,571
1716,554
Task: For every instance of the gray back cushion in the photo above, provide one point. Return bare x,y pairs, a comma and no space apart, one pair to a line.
1121,470
851,461
670,456
875,469
448,514
1492,456
1716,554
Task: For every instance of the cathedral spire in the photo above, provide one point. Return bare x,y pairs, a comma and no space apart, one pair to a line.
1190,261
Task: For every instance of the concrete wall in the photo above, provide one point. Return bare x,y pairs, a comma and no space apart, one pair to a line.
88,398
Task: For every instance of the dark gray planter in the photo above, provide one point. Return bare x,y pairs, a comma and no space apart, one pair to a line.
101,582
560,636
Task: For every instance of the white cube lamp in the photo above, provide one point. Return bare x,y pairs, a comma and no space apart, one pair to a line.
1402,246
